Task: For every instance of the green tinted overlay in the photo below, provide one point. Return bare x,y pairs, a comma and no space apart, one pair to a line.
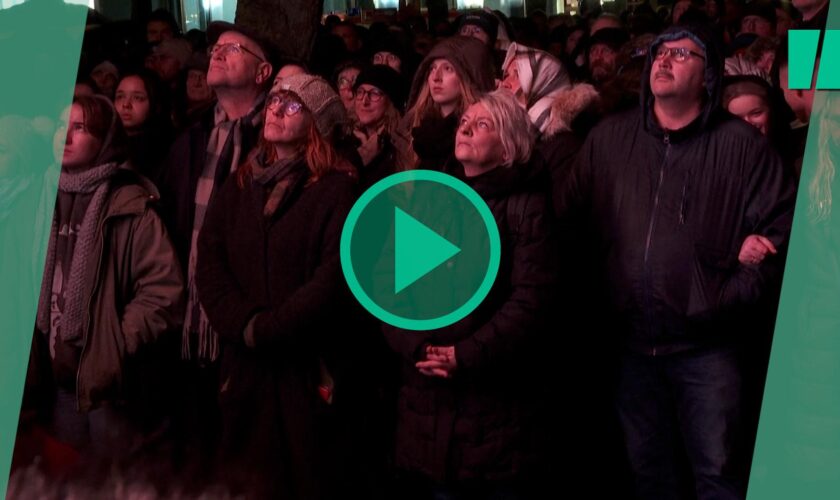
40,42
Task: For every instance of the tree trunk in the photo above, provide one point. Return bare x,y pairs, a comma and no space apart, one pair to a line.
291,24
438,11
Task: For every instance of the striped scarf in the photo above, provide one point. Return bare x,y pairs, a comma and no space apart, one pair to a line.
226,137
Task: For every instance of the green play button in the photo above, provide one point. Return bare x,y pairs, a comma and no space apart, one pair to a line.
420,250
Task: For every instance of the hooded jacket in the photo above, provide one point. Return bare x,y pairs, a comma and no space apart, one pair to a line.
433,140
135,301
133,291
669,210
472,61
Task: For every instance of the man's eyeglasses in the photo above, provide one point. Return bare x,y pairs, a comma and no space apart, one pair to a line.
385,58
679,54
283,104
470,30
225,49
345,83
375,95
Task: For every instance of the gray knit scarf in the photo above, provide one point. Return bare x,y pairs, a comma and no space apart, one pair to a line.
97,181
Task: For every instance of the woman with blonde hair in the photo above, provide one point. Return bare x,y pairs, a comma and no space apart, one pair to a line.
268,269
451,77
469,398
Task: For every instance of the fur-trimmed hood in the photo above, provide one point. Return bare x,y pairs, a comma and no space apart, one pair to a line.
568,104
552,101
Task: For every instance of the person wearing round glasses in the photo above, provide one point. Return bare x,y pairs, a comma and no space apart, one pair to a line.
379,96
270,280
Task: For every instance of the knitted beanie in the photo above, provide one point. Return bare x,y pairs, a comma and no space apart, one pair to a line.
387,80
318,97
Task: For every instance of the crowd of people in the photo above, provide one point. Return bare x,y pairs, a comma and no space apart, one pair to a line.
194,322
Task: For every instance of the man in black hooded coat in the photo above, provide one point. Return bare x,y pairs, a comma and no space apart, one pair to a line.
669,195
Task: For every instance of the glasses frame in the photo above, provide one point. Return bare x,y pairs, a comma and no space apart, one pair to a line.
388,58
345,83
678,54
225,48
275,101
375,95
470,30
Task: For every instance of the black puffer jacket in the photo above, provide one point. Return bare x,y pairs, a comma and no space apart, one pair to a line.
482,423
669,211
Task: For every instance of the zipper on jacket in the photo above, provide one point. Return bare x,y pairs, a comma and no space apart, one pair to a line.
86,331
646,274
652,222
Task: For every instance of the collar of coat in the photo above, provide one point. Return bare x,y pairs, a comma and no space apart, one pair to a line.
131,194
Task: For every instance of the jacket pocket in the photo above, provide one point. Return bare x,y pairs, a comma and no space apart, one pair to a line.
710,270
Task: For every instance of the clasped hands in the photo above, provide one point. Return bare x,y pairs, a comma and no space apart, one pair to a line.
439,362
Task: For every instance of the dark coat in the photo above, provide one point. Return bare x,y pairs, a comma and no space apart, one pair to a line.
558,152
482,423
433,139
669,211
284,273
148,149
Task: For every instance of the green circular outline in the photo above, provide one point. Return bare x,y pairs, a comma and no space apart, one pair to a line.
492,265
